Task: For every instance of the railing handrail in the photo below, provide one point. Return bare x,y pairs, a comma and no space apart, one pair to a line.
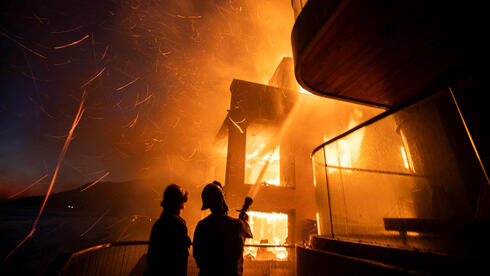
376,171
366,123
107,245
379,117
97,247
128,243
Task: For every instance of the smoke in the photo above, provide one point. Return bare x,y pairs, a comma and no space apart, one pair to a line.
157,76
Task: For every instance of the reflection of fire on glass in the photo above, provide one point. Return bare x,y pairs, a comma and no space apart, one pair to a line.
407,158
268,229
345,153
318,223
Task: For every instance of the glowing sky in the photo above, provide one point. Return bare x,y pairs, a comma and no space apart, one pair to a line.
156,73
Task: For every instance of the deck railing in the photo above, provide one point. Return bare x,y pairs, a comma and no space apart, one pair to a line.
128,258
408,178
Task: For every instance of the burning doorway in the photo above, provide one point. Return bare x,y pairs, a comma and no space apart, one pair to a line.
268,229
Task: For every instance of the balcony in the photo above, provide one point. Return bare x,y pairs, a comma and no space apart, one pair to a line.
128,258
405,189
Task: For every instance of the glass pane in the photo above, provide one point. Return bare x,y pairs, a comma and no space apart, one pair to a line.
405,180
321,192
298,5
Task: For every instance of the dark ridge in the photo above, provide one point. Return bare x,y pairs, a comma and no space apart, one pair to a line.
135,196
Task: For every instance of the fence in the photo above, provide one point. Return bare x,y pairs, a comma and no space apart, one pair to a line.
128,258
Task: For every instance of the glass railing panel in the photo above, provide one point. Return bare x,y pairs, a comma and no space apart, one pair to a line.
298,5
361,200
408,179
321,191
130,259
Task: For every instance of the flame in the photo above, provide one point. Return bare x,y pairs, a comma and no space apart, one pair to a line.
261,155
271,229
273,182
256,161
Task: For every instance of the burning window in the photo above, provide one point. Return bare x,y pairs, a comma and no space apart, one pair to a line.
268,229
262,162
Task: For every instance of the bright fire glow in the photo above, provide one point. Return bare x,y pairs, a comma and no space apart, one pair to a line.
268,228
404,155
318,223
345,153
262,159
407,158
412,234
273,182
303,91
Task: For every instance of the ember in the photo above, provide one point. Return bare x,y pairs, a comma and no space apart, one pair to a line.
71,44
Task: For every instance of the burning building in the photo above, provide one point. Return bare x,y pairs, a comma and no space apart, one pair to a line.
265,143
259,160
398,182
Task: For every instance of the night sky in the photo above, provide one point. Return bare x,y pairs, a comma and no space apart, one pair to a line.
156,76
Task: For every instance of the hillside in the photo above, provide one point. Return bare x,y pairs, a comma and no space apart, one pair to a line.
120,198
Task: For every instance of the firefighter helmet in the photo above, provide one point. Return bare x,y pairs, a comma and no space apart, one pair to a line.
212,196
173,197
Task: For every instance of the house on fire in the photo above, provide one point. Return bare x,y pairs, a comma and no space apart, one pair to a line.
396,183
258,159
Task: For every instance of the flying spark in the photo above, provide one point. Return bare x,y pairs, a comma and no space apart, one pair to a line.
95,182
71,44
93,78
127,84
95,223
63,63
22,45
67,31
77,119
143,101
105,52
133,123
28,187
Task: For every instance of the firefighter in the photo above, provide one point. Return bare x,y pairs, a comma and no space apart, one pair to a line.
219,238
169,243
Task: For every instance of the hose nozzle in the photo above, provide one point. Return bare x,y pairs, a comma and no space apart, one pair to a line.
243,212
